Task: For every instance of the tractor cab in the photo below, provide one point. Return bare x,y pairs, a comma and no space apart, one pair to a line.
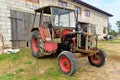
55,22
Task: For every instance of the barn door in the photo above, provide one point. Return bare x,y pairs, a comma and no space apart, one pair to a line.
20,28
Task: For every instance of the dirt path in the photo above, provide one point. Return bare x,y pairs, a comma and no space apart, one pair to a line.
111,69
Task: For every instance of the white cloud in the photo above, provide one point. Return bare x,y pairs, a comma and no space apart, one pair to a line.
108,6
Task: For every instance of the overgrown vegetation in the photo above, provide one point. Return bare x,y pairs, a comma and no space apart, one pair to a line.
111,31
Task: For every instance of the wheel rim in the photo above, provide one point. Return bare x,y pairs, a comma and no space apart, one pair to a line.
34,45
65,64
96,59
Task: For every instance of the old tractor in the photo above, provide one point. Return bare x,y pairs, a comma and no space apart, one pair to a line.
58,32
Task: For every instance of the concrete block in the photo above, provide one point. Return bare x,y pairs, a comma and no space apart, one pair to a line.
8,38
7,44
5,27
7,14
2,14
9,31
2,1
4,19
5,11
8,23
6,35
2,6
2,23
4,31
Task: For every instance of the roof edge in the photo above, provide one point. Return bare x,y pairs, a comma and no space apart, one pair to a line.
92,7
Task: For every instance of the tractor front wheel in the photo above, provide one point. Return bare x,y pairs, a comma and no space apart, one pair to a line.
35,44
97,59
67,63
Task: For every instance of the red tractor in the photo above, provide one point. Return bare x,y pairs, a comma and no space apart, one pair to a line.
58,32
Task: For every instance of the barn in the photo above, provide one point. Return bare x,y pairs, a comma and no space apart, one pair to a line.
16,17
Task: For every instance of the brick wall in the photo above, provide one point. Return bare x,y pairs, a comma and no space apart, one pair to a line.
5,23
100,20
5,27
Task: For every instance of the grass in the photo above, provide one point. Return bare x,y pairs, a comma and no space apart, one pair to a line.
19,70
7,76
114,41
23,66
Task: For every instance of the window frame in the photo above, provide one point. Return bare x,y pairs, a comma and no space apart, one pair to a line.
87,13
32,1
62,3
76,8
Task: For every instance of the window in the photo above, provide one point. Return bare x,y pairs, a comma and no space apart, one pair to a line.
62,4
87,13
35,1
64,19
92,28
78,10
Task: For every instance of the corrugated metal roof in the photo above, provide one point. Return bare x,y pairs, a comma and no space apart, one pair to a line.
92,7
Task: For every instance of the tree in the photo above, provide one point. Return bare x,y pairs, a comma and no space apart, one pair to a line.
118,25
113,32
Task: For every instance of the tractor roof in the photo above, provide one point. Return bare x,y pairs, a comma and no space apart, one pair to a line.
47,9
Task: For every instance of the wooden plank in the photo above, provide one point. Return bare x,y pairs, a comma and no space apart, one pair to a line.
13,27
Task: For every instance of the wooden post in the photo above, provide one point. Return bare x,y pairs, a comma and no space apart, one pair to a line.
34,20
96,41
53,25
77,41
86,45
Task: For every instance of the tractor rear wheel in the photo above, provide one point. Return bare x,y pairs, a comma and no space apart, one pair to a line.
98,59
67,63
35,44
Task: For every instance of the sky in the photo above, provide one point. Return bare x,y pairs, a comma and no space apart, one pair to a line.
110,6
